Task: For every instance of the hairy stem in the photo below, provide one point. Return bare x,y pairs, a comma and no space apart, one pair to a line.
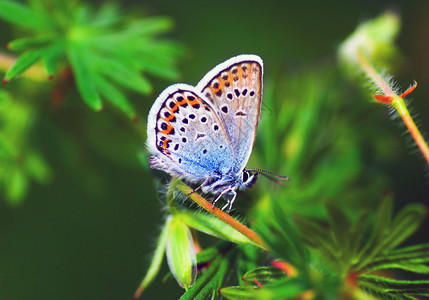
396,101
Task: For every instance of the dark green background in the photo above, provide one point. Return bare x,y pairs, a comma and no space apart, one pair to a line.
89,236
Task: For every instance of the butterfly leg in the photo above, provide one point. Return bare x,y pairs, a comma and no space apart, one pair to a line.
200,186
220,195
230,201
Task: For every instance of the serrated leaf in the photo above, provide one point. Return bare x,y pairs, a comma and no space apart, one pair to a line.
84,80
21,15
24,61
114,96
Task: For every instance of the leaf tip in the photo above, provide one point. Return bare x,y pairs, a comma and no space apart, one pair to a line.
138,292
50,77
135,119
384,99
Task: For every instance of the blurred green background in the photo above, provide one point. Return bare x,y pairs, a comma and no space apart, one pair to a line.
89,233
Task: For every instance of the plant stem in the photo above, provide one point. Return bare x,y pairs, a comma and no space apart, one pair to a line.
246,231
399,104
396,101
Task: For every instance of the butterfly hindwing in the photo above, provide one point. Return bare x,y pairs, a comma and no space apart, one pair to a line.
187,136
235,90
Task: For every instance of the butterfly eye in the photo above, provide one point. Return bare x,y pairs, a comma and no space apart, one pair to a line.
245,176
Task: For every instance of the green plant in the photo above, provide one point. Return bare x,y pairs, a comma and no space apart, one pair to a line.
107,54
321,238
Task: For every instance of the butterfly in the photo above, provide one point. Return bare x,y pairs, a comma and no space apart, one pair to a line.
205,134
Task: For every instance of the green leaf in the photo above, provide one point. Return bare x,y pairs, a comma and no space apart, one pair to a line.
411,254
283,238
181,253
207,255
158,67
415,268
106,16
288,288
318,237
238,292
28,42
405,223
383,217
123,74
340,226
21,15
51,57
156,261
150,26
212,279
16,186
213,226
264,275
357,233
83,78
114,96
37,167
24,61
414,287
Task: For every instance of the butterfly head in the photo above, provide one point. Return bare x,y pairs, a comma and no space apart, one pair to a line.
247,179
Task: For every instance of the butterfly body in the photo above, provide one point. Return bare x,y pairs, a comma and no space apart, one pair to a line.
205,134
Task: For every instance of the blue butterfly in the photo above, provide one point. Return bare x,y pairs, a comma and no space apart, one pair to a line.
205,134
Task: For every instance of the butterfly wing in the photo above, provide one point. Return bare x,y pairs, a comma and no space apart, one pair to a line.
235,90
186,137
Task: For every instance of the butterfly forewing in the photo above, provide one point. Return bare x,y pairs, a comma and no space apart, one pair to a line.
190,140
235,90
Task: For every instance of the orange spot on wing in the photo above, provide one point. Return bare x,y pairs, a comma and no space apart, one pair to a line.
168,130
193,102
169,118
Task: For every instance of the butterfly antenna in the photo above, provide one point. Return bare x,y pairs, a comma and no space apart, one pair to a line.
269,174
